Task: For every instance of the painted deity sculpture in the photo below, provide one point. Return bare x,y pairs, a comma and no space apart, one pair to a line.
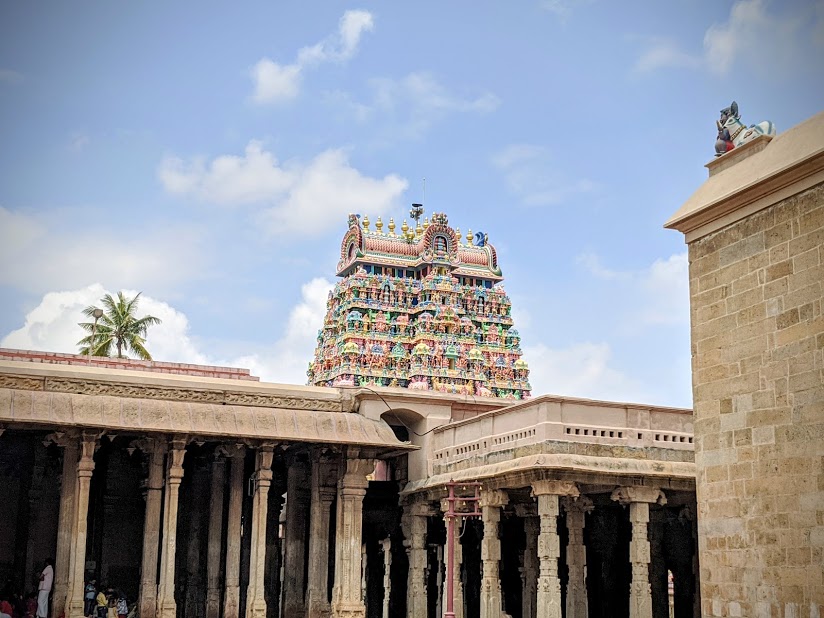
732,133
422,310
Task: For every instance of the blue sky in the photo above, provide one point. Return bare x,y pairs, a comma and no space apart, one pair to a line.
207,153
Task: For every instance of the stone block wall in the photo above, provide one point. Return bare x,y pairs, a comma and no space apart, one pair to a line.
756,289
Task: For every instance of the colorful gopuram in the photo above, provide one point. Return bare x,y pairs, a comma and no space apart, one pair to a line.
423,309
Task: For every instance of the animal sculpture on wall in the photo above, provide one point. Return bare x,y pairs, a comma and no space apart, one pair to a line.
732,133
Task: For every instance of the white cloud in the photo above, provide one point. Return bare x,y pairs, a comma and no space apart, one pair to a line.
53,326
658,294
766,39
664,53
580,370
287,195
531,173
41,253
723,42
407,108
275,82
291,354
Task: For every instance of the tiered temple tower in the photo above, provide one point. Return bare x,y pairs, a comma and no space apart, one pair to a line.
422,309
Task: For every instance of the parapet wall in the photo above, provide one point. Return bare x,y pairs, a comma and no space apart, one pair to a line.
54,358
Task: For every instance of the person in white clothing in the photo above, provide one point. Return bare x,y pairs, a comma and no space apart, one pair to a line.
44,589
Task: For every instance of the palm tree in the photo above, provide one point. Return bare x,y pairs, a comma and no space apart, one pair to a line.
118,327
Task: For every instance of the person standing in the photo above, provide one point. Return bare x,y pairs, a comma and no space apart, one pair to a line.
44,589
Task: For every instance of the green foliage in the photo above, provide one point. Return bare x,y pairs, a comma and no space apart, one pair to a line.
118,329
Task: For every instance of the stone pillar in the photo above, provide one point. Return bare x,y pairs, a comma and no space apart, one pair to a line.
457,583
323,493
166,603
386,545
255,593
413,523
529,574
297,500
65,519
347,600
273,571
77,560
639,499
231,596
549,546
155,451
491,599
215,537
576,597
440,580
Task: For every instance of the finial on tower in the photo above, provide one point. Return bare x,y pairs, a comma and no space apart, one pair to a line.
379,225
365,222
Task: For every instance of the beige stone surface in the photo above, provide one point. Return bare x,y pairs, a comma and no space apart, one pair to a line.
200,419
756,290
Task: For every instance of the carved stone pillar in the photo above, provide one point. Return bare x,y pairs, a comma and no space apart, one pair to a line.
155,451
576,597
413,523
549,546
529,575
297,501
231,596
324,473
639,499
386,546
215,537
255,593
65,519
347,599
491,598
77,559
166,603
457,583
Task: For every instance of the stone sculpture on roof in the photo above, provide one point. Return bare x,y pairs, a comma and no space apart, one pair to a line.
732,133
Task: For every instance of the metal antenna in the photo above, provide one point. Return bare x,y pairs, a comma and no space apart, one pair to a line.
424,191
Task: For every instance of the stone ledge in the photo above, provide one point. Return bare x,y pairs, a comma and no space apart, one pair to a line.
738,154
617,467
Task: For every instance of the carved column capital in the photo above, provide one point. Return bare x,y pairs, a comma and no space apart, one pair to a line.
581,504
649,495
556,488
60,438
494,498
176,452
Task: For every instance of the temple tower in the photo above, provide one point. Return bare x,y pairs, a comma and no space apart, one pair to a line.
422,309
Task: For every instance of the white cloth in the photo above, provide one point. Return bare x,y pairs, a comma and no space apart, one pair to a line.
42,604
46,579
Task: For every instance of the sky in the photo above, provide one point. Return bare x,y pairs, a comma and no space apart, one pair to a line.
206,154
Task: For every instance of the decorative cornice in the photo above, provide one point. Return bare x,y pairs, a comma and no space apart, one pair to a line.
21,382
190,395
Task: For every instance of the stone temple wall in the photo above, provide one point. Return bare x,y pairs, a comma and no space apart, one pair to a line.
758,380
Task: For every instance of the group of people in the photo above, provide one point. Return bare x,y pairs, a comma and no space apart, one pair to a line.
99,602
13,605
104,602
